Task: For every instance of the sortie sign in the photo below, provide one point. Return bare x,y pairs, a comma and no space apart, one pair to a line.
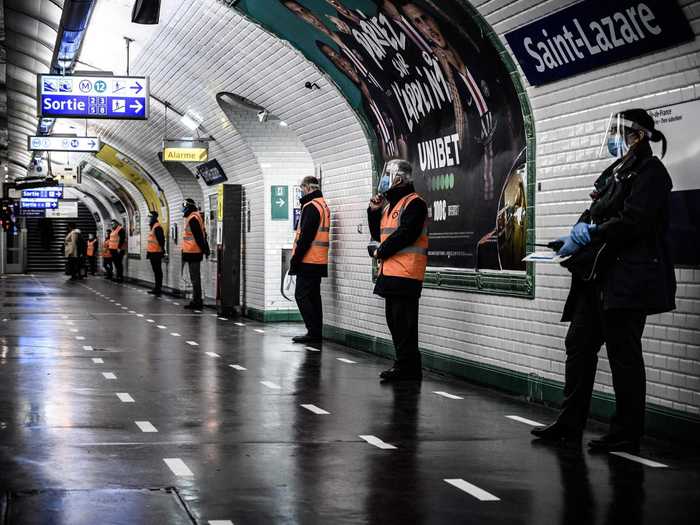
596,33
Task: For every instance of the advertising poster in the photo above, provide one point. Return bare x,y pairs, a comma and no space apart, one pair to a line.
679,124
434,90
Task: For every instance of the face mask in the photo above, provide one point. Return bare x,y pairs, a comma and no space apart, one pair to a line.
384,184
617,147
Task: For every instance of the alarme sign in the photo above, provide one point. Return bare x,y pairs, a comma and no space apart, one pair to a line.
596,33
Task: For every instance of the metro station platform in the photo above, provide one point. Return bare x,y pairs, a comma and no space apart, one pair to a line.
120,408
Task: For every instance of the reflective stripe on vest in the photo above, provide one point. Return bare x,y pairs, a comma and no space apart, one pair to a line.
153,244
91,248
318,252
114,239
412,261
106,254
189,244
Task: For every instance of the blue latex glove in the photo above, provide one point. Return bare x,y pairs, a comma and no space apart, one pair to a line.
570,247
581,233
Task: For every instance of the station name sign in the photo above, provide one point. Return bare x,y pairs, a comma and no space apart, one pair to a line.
185,151
98,97
58,143
596,33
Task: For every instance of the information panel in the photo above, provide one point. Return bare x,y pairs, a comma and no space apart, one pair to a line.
57,143
38,204
93,97
52,192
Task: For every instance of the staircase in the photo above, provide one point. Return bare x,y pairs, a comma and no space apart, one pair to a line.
45,240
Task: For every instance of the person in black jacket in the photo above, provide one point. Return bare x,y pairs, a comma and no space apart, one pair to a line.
310,259
194,248
400,289
629,219
117,247
155,252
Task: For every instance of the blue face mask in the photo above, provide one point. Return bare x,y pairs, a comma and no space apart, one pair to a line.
384,184
617,146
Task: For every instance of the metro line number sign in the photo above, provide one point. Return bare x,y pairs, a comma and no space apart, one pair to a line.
93,97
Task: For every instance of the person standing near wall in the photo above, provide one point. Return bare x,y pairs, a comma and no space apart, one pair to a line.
91,253
107,256
156,252
194,249
117,248
71,250
310,259
397,218
626,229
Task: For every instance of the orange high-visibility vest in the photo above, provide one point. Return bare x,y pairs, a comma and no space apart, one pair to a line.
189,245
106,254
90,251
114,239
318,252
153,244
412,261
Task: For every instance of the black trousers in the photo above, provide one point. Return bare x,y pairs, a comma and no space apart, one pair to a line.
621,331
157,266
118,262
308,298
107,265
74,268
402,319
194,268
92,262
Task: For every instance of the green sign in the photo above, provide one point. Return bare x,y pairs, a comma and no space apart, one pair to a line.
280,202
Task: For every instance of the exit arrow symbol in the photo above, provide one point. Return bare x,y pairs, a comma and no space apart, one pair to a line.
136,106
280,202
137,88
92,143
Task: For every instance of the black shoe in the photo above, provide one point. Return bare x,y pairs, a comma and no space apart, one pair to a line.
306,339
556,432
613,443
157,293
396,374
193,306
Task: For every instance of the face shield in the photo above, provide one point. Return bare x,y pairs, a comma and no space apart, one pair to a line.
621,134
394,172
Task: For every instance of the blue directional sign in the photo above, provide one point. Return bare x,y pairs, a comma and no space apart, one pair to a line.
93,97
38,204
63,143
53,192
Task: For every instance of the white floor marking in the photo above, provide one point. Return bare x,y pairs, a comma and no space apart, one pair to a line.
526,421
237,324
176,304
220,522
111,300
174,334
259,331
270,384
348,361
80,338
125,398
162,327
70,322
473,490
150,320
117,304
312,349
193,343
139,315
646,462
198,311
124,308
212,354
74,330
178,467
88,348
146,426
374,440
98,360
448,396
315,410
109,375
223,319
131,312
238,367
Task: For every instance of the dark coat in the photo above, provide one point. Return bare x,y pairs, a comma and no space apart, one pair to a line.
631,208
199,238
411,227
309,223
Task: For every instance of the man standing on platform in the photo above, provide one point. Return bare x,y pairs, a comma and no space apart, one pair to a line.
194,248
91,253
155,252
107,256
310,258
117,247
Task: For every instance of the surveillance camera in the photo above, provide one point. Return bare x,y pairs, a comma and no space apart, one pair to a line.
262,115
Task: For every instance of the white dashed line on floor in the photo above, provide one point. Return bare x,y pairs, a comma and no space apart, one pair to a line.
526,421
146,426
220,522
270,384
316,410
132,312
125,398
139,315
238,367
448,396
88,348
212,354
74,330
150,320
162,327
193,343
637,459
174,334
312,349
223,319
237,324
97,360
374,440
178,467
80,338
109,375
472,490
348,361
258,330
